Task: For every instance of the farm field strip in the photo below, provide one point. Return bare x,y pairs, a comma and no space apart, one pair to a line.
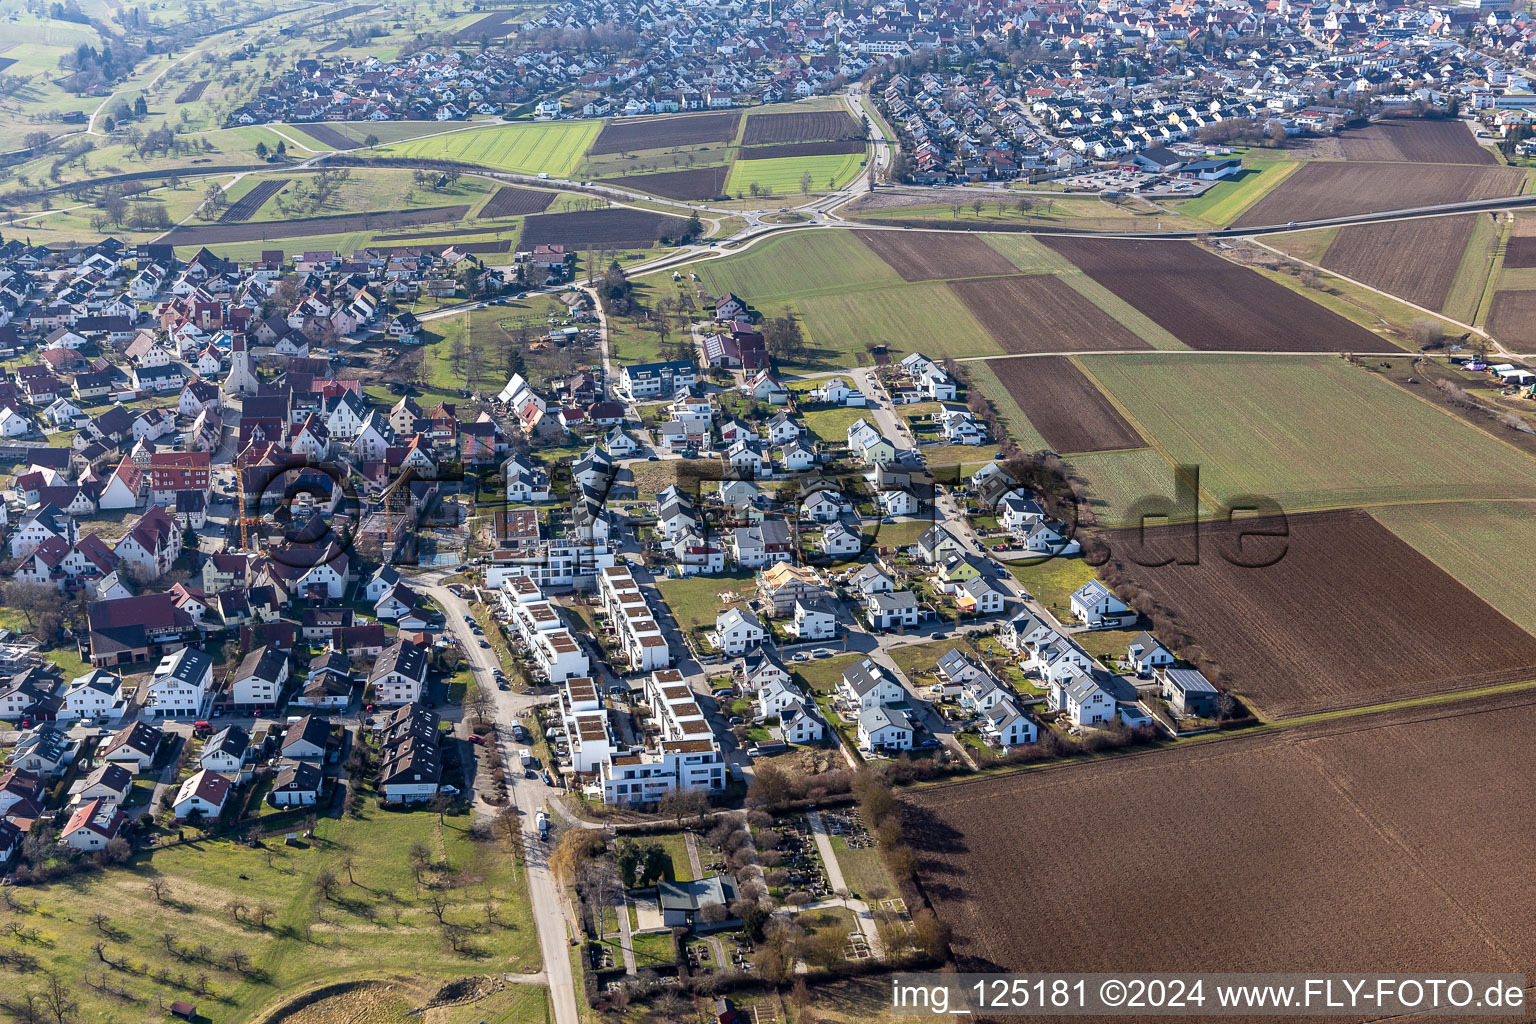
1301,622
246,206
797,264
214,234
1416,260
1323,446
783,176
552,147
1474,276
1210,303
840,147
1321,190
924,316
511,201
1118,481
1416,142
327,136
1477,543
1512,317
1064,405
1040,313
930,256
1520,252
1227,200
1415,827
694,183
662,132
614,228
799,126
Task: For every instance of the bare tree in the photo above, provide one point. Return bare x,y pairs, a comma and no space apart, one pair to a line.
159,889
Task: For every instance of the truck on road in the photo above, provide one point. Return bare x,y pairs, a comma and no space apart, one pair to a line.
542,821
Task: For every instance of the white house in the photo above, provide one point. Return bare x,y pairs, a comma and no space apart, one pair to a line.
204,794
180,683
814,620
228,752
891,609
93,826
1094,605
259,679
96,694
400,674
1145,655
868,685
297,785
882,728
737,632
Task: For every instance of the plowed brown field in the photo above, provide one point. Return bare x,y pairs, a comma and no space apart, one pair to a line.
694,183
511,201
1512,317
1350,615
1039,313
620,228
1413,259
1520,252
1395,842
931,255
1210,303
1322,190
1064,406
649,132
1420,142
807,126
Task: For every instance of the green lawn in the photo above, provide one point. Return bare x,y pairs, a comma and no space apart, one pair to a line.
1029,254
677,852
1053,581
1308,433
864,870
696,600
380,927
781,176
823,675
551,147
831,425
653,949
1472,541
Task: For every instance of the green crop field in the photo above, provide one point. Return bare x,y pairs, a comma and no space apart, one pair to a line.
782,175
1479,543
795,265
924,317
1029,254
552,147
1308,433
1117,481
378,926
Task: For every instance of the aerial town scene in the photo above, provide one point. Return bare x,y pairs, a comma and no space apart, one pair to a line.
625,512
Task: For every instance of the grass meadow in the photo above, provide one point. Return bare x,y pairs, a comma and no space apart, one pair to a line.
551,147
1337,436
380,924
